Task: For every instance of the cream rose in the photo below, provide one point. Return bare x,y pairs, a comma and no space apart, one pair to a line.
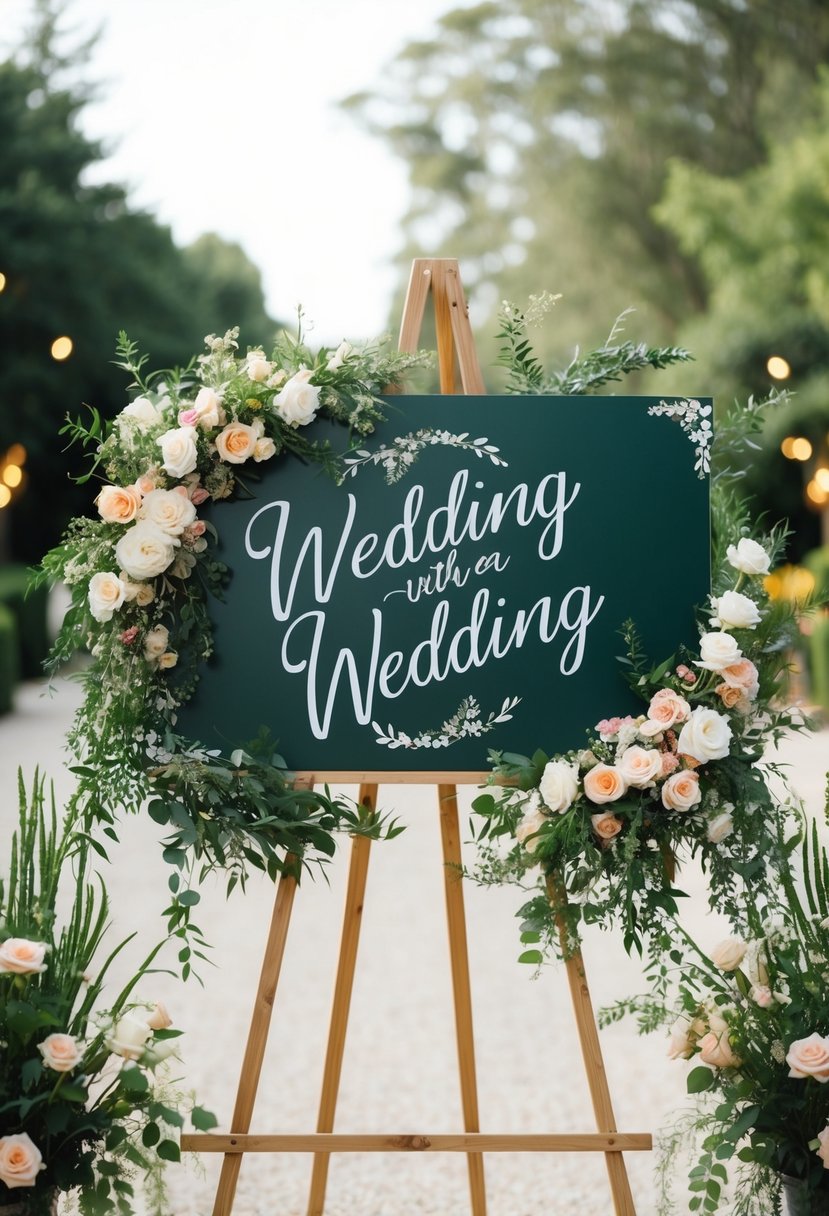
156,642
159,1019
718,650
20,1161
265,448
719,827
144,550
748,557
118,504
640,766
179,454
729,953
532,822
715,1049
237,442
208,407
683,1035
257,366
809,1058
168,510
705,736
106,595
735,611
298,401
21,956
60,1052
606,825
339,356
559,785
604,783
144,595
142,412
129,1035
681,791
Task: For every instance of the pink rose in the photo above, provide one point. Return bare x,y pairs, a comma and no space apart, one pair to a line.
604,783
21,956
198,495
823,1151
744,676
129,635
188,417
666,709
809,1058
762,995
670,763
715,1049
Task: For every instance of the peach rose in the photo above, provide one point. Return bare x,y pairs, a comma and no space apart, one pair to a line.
665,710
155,642
118,504
640,766
729,695
823,1150
681,791
60,1052
684,1034
742,675
606,825
809,1058
145,483
532,823
237,442
167,660
715,1049
159,1019
604,783
21,956
20,1161
144,595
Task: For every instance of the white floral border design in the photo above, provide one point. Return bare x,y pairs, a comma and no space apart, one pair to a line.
465,723
694,419
398,457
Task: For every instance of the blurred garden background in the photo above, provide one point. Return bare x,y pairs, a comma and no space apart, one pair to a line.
160,177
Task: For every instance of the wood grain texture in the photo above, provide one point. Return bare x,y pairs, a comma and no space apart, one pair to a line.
408,1142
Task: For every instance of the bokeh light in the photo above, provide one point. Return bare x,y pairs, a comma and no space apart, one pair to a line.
5,496
62,348
778,367
12,475
795,447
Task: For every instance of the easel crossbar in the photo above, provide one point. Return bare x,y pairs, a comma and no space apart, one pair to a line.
480,1142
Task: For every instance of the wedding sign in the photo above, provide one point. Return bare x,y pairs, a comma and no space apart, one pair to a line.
464,586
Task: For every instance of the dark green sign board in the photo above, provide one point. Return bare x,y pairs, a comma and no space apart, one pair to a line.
464,587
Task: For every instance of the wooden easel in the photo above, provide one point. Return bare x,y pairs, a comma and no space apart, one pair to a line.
441,277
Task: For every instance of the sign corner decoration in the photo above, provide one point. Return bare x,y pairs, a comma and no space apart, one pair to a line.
463,585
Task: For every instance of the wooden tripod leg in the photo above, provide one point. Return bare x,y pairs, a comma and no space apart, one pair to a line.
592,1054
456,920
352,920
258,1035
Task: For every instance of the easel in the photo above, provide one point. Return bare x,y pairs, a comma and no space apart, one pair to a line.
441,277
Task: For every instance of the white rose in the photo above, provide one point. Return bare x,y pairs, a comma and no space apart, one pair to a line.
60,1052
559,785
339,356
129,1035
264,450
143,413
106,595
729,954
257,366
719,827
298,401
640,766
718,650
20,1161
748,557
734,611
144,550
705,736
179,454
208,406
168,510
156,642
532,822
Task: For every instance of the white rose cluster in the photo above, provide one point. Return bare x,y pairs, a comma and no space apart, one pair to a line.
298,401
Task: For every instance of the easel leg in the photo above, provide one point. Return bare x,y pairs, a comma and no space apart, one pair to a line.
593,1061
456,920
352,920
257,1037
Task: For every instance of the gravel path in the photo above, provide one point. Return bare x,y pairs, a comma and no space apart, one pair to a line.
400,1070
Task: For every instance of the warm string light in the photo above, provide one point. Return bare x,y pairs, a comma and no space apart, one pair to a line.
2,282
62,348
12,476
795,447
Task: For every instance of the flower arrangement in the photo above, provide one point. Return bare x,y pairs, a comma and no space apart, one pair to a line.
606,822
141,572
751,1018
86,1099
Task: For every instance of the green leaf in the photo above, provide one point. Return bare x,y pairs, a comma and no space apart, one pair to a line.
203,1120
151,1135
699,1079
531,956
168,1150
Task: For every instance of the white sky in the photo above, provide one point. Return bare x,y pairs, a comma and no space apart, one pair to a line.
222,117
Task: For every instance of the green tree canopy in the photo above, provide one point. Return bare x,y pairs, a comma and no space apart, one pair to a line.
80,261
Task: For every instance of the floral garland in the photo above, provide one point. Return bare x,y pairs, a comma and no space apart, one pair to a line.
683,777
141,573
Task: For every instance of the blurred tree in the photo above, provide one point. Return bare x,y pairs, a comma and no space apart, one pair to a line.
79,262
537,132
760,241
